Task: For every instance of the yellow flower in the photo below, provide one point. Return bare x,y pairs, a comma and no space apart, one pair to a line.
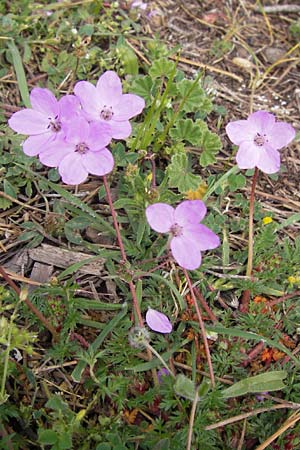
198,194
267,220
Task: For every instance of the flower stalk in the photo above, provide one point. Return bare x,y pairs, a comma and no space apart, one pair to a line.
251,215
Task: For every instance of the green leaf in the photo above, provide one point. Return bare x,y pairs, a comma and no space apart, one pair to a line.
179,174
163,444
47,437
128,58
20,73
185,387
65,440
196,99
162,68
269,381
143,87
186,130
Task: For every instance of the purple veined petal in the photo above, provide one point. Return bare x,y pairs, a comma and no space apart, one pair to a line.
35,144
130,105
202,236
54,152
71,169
247,156
160,217
44,101
120,130
158,321
89,99
190,211
263,121
98,163
269,160
100,135
69,106
240,130
185,252
280,135
28,121
77,130
109,88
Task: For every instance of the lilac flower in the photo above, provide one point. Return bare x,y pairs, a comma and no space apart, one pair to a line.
158,321
43,122
259,138
188,236
163,372
81,152
106,103
139,4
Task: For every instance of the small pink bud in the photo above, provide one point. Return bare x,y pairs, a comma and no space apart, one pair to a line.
158,321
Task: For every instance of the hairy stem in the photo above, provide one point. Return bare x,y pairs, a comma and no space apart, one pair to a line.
251,214
35,311
192,420
202,328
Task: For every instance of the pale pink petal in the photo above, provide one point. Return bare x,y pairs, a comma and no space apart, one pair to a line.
247,156
55,152
99,135
185,252
69,106
158,321
269,160
77,130
240,130
203,237
120,130
44,101
190,211
280,135
29,121
98,163
160,217
89,99
130,105
71,169
263,121
35,144
109,88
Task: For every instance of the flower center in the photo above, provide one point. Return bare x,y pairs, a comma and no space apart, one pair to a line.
176,230
54,124
106,113
81,148
260,139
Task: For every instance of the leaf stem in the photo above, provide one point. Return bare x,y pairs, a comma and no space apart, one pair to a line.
202,328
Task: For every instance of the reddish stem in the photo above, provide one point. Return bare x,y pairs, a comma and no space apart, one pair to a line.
251,214
123,253
35,311
205,305
202,328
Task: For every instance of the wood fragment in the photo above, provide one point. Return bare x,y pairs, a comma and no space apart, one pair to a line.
277,9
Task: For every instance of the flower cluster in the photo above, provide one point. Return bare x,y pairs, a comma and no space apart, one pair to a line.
72,133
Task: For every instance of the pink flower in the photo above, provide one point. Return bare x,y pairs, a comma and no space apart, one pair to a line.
259,138
81,152
106,103
43,122
188,236
158,321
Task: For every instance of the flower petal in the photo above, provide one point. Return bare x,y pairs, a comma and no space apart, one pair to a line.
28,121
71,169
190,211
44,101
89,99
158,321
130,105
98,163
247,156
99,135
240,130
77,130
55,152
269,160
120,130
202,236
69,106
109,88
185,252
281,135
35,144
160,217
262,121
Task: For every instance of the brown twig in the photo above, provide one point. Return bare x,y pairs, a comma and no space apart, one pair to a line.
205,305
35,311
